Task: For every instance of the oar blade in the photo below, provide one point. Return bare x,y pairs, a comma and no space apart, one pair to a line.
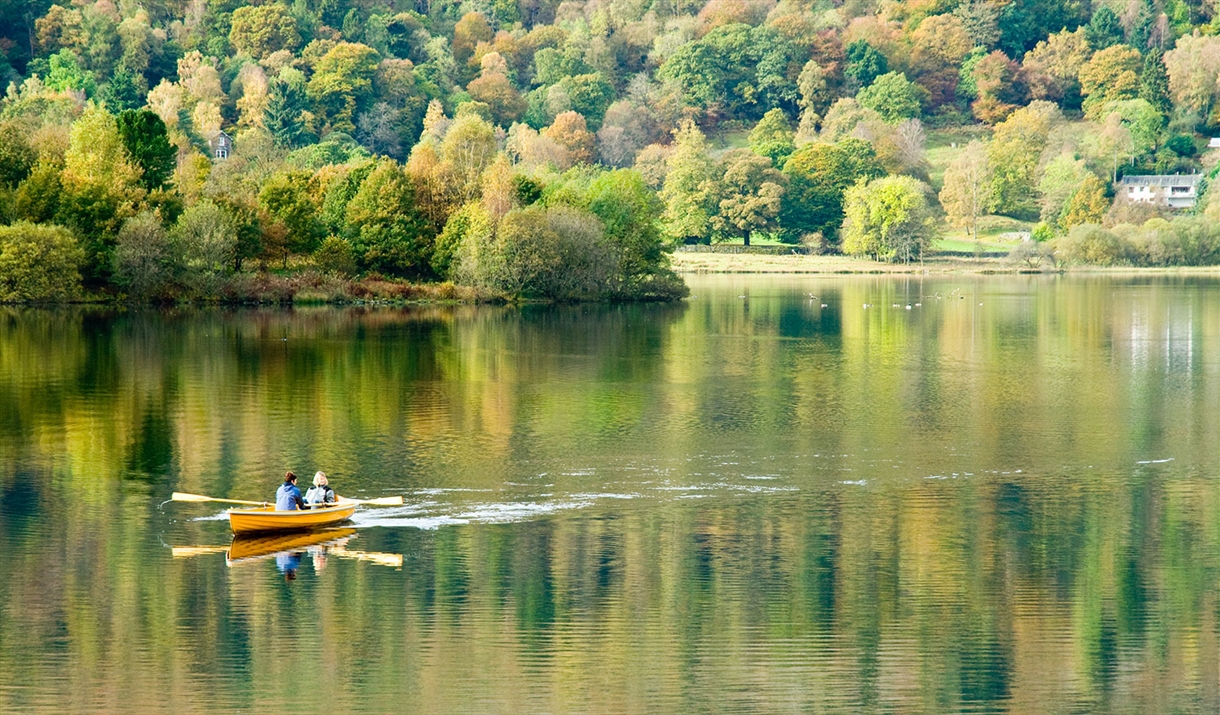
385,501
183,496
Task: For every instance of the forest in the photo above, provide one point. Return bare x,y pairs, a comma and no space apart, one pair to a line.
207,149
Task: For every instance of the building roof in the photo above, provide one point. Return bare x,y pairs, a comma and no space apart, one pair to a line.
1162,180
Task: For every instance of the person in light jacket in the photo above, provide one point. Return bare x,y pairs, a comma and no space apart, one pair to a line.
320,492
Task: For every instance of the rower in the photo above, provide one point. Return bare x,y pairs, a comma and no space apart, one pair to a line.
288,497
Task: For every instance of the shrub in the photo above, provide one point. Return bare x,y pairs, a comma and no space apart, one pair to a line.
558,253
38,262
144,260
1093,245
335,256
205,238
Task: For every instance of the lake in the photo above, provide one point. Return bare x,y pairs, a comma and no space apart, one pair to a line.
843,494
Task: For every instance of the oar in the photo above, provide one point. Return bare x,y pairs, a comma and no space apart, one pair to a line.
381,501
183,496
381,559
181,552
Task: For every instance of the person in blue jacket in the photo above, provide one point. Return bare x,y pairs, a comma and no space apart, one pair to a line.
288,497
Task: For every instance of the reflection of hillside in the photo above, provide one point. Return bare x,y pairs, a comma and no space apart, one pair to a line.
1083,582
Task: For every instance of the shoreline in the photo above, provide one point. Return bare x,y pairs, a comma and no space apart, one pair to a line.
751,263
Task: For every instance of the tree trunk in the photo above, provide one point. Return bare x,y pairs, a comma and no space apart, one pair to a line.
747,238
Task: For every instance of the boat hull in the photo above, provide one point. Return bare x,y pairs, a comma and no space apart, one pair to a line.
267,519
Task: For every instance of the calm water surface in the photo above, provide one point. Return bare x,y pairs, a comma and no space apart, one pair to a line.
768,499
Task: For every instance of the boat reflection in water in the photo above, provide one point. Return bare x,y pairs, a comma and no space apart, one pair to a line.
289,549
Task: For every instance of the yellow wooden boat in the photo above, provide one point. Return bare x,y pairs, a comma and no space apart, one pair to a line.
266,518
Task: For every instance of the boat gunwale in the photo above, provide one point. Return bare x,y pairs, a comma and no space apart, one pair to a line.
291,513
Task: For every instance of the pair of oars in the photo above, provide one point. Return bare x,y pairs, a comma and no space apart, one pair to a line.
382,501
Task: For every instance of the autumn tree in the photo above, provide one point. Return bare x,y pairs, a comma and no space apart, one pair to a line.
1064,176
1111,75
570,131
100,187
967,192
998,87
748,195
260,30
1193,66
1052,68
469,146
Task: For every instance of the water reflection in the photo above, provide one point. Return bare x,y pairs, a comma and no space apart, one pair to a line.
1000,500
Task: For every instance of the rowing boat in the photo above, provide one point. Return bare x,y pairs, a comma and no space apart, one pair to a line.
266,518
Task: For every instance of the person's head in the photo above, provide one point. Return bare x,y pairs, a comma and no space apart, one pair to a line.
290,478
319,479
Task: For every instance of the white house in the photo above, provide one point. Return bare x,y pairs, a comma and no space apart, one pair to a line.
1177,191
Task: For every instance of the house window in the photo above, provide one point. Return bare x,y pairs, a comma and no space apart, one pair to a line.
222,152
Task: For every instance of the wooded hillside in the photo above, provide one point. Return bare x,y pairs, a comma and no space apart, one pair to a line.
493,142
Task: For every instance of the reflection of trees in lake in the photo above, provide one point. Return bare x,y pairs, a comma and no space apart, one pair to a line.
1062,587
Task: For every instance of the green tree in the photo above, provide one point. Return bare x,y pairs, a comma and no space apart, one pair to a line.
888,218
630,213
818,174
1014,152
590,95
864,63
147,142
123,91
892,96
285,198
387,232
1154,82
37,197
342,84
66,73
689,192
773,137
748,195
1104,29
38,262
287,104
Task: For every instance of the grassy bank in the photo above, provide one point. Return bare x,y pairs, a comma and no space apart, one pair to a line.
694,263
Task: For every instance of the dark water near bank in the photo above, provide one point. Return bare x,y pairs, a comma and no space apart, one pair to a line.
1002,502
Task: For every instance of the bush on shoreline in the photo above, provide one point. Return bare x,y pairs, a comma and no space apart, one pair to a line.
1183,241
